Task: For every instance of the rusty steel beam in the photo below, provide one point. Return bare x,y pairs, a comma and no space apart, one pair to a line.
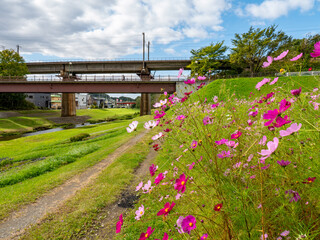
87,87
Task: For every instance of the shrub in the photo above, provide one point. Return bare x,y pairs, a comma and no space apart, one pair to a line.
79,137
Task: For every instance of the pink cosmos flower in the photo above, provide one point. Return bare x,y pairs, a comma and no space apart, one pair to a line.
139,213
296,57
316,50
159,178
119,224
146,235
215,99
180,184
222,141
139,186
292,129
282,55
190,166
161,103
204,236
224,154
188,223
157,136
261,83
263,140
190,81
153,169
273,114
253,114
180,72
236,135
285,233
207,120
284,105
194,144
147,187
167,208
296,92
274,81
151,124
165,237
201,78
269,61
179,224
180,117
232,144
132,126
272,146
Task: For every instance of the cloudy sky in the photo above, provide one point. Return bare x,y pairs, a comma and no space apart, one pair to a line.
109,29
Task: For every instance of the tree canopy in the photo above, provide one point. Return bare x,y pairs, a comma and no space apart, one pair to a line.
12,64
203,60
251,48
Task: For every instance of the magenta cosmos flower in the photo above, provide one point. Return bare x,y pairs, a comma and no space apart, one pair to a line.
292,129
283,163
236,135
296,92
159,178
273,114
119,224
316,50
167,208
159,115
153,169
188,223
204,236
190,81
180,72
180,184
165,237
146,235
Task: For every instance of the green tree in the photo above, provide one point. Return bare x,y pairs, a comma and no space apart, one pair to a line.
251,49
12,64
204,60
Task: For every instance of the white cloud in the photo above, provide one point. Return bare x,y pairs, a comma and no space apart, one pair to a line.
170,51
272,9
105,28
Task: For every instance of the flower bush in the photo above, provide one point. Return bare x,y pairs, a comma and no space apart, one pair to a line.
263,183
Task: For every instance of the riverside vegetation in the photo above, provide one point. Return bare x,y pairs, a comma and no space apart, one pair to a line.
238,159
46,161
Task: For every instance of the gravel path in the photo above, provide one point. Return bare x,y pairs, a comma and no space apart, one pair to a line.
15,225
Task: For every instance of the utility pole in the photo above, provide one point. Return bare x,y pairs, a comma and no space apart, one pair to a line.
18,48
143,45
148,50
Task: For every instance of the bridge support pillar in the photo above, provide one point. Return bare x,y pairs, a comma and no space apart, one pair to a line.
68,102
68,105
145,104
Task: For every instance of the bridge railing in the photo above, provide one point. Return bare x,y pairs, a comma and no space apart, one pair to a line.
87,78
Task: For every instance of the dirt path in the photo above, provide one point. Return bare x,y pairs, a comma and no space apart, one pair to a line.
31,214
104,228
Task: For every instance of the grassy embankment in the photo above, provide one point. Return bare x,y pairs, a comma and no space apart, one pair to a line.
30,120
79,215
33,165
256,196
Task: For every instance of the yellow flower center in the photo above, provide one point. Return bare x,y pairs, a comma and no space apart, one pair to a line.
182,183
167,209
141,212
146,235
190,224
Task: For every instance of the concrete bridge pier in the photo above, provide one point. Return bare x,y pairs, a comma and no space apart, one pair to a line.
68,104
145,103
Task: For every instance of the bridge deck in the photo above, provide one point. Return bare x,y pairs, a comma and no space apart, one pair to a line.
87,86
